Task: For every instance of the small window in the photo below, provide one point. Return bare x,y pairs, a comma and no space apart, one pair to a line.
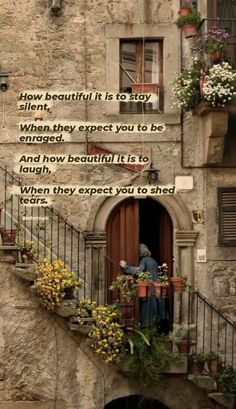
227,215
141,71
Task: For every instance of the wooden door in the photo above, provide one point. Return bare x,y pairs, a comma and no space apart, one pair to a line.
122,241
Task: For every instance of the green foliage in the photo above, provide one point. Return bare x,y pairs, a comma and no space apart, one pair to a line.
191,18
146,360
124,283
210,356
197,357
144,276
226,378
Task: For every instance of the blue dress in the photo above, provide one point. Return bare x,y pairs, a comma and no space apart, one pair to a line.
152,309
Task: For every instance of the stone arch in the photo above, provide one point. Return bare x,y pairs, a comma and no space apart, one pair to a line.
135,401
175,206
184,236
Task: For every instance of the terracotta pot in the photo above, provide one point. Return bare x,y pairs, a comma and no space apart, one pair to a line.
144,87
214,366
8,237
69,293
161,289
27,255
190,30
184,11
196,368
184,346
178,284
144,289
217,56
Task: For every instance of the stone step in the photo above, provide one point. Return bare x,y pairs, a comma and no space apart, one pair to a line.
203,381
26,271
225,400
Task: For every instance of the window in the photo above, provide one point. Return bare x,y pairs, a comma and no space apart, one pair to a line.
223,13
227,215
141,70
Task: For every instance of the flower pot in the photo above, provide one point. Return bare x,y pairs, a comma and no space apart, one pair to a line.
8,237
27,256
161,289
190,30
214,366
69,293
178,284
184,11
196,368
217,56
144,88
144,289
184,346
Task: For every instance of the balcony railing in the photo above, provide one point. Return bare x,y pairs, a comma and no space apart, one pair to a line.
228,24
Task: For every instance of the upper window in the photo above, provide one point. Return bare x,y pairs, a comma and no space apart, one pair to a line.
141,70
227,215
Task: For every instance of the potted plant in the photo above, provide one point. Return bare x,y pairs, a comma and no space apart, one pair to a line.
186,88
162,285
196,363
219,86
182,337
178,282
226,379
144,282
185,8
124,283
28,249
215,42
8,236
189,23
214,362
53,280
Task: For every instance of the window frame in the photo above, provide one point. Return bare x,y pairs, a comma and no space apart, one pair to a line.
171,64
140,74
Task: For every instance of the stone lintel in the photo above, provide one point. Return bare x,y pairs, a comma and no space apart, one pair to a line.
98,238
185,238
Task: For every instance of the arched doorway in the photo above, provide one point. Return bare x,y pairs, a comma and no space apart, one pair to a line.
135,402
132,222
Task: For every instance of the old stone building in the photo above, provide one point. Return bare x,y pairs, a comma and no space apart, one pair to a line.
113,46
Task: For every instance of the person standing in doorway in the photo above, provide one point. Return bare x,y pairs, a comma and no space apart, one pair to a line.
151,309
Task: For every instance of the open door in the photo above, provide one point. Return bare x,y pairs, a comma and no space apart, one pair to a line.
132,222
122,241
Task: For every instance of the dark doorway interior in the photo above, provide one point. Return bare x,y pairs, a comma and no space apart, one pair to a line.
150,214
135,402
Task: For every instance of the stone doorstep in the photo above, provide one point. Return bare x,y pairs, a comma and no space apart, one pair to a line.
225,400
27,405
203,381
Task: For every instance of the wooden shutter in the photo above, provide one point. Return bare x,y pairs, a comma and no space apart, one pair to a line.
227,216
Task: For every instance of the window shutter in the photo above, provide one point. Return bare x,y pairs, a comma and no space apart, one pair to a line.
227,214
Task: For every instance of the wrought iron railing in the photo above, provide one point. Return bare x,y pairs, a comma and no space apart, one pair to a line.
211,329
228,24
53,235
215,331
